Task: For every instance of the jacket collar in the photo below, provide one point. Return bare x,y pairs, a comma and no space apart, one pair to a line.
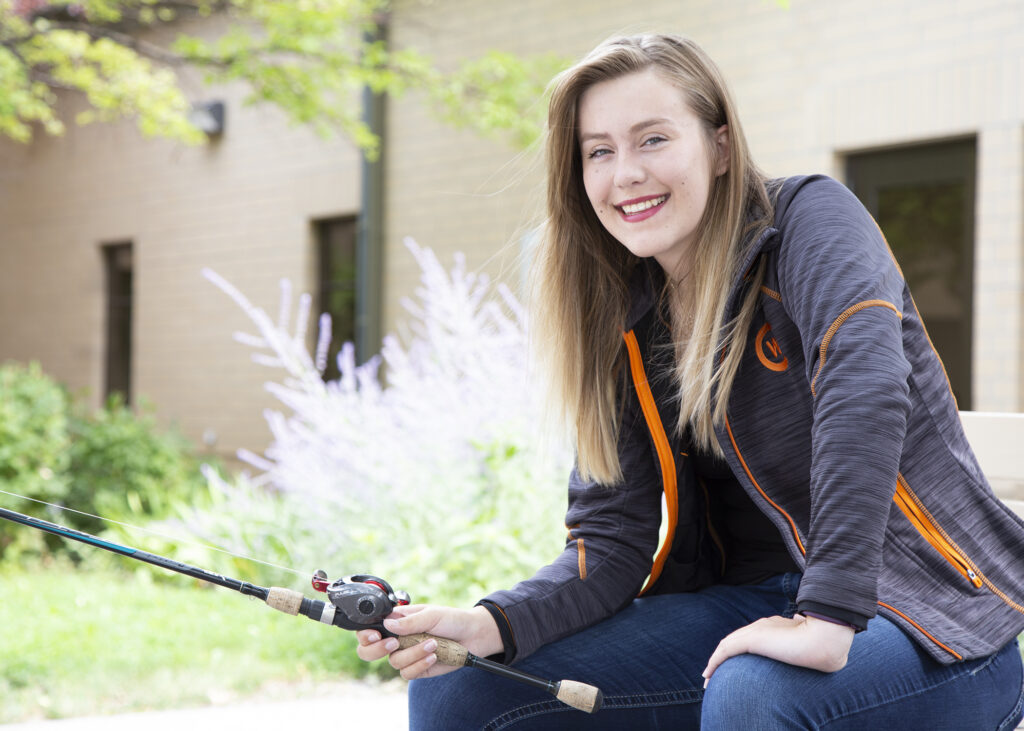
647,279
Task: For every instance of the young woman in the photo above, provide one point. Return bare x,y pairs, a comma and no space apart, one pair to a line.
748,349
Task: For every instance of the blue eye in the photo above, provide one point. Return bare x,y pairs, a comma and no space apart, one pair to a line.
654,140
599,152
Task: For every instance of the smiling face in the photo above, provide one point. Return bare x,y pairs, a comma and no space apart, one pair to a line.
648,165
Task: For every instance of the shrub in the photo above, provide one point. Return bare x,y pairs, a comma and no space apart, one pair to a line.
34,443
113,462
33,432
124,467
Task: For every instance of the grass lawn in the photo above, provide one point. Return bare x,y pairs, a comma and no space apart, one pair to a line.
78,642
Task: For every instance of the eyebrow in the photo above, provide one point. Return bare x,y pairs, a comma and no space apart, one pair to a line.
633,130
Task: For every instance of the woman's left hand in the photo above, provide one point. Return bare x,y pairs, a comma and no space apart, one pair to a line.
803,641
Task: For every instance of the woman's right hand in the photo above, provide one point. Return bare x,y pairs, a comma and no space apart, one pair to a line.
473,628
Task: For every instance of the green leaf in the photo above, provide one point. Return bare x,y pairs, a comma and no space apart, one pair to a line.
310,58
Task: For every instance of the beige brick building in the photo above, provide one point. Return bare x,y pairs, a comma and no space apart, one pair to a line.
908,102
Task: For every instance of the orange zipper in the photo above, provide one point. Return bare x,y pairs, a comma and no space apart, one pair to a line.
664,450
928,527
922,520
970,569
581,552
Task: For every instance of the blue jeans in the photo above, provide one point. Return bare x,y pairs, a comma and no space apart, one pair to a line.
648,659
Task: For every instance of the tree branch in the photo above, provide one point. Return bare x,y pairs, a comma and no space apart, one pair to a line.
37,75
143,48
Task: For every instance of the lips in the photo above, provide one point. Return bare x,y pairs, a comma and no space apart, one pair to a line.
638,209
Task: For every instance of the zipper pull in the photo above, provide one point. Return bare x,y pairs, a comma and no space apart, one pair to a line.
973,577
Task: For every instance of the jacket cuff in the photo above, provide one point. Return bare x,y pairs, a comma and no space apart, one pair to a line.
504,631
858,621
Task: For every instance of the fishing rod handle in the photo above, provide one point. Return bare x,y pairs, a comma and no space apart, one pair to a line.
284,600
573,693
449,652
294,602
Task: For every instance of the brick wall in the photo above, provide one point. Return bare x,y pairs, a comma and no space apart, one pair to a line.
241,206
814,82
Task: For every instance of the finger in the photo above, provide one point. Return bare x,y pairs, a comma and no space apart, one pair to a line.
415,660
412,622
367,636
730,646
405,610
419,669
377,650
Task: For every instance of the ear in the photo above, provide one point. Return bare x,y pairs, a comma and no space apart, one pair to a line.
722,150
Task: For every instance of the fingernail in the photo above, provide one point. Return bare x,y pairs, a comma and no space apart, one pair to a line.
431,659
391,624
373,637
430,645
705,685
391,645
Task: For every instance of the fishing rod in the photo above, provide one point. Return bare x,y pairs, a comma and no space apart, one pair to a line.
356,602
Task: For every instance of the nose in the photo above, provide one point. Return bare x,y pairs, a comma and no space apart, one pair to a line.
629,169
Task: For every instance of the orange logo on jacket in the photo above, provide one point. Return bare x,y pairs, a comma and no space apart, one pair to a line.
768,350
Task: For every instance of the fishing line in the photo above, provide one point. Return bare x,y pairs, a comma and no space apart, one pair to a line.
176,539
357,602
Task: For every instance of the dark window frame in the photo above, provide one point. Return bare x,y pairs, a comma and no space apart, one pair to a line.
119,290
337,262
889,179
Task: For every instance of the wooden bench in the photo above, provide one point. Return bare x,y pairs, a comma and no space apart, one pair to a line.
998,441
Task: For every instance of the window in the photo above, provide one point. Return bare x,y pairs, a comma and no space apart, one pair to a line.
923,199
337,265
117,262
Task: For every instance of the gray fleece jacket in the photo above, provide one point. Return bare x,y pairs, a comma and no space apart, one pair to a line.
841,427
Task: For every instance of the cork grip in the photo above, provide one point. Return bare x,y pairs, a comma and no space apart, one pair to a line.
449,652
579,695
284,600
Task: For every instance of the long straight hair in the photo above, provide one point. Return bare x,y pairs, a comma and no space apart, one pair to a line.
580,285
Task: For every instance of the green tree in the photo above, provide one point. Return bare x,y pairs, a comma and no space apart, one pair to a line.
309,57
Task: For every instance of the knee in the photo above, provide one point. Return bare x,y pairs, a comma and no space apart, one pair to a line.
461,699
747,692
429,699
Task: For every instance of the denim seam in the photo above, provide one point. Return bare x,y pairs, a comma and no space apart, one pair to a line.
1014,716
918,691
620,702
521,713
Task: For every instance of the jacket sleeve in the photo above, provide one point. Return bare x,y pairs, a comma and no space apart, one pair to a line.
613,533
842,288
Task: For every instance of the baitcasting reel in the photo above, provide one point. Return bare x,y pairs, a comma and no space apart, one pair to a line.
357,602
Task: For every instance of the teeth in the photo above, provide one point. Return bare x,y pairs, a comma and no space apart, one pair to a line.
643,205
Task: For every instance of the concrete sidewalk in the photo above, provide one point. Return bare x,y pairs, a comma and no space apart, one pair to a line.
351,705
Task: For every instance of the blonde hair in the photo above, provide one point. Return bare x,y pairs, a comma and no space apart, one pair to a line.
581,274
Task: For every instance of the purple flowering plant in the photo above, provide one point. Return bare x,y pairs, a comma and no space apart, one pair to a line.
425,465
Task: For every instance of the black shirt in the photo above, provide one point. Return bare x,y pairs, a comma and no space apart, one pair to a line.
754,549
